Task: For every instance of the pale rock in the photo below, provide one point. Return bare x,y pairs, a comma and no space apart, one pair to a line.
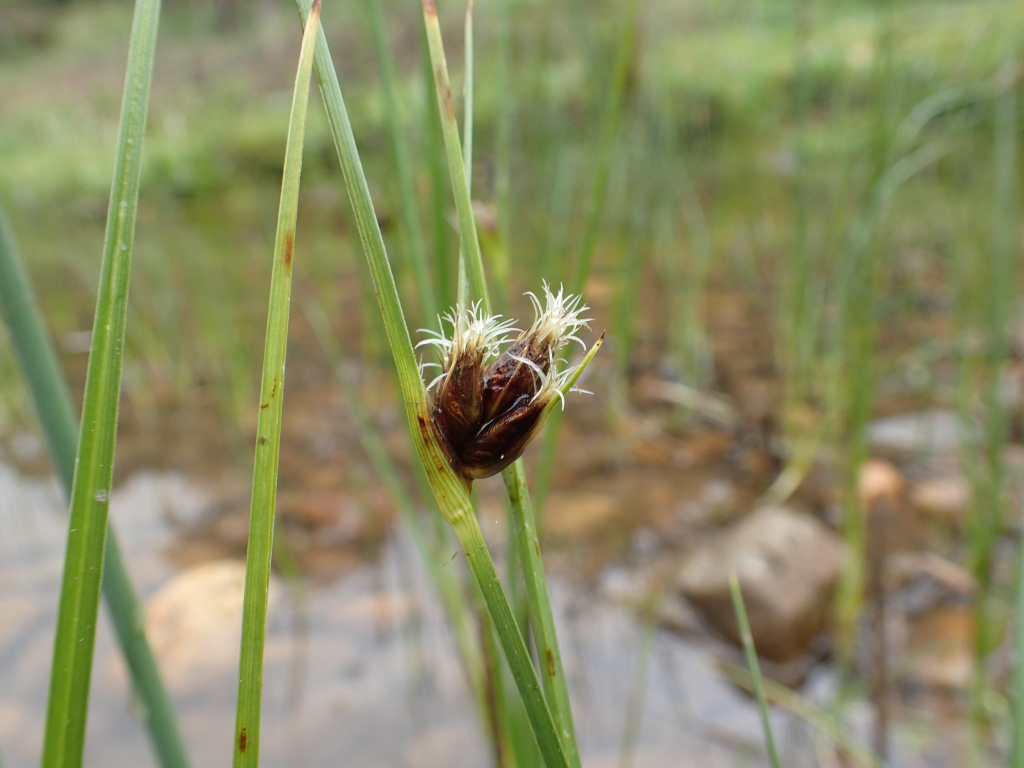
919,581
382,609
940,649
194,623
879,481
788,565
944,498
913,435
892,523
572,516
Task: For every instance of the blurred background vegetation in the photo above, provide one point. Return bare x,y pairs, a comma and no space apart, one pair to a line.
755,147
800,153
793,218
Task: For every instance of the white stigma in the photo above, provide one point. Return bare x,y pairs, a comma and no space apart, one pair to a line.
560,318
472,331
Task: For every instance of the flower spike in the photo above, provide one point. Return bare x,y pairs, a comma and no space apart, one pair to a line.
488,403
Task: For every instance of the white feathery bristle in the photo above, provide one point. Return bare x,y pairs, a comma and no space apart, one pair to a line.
560,317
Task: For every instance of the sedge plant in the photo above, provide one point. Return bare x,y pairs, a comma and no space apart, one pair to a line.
268,429
503,721
68,702
37,359
987,298
451,454
527,365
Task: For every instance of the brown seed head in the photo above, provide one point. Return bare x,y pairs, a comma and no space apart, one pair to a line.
489,404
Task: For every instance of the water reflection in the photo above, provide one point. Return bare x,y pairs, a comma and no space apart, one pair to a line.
359,671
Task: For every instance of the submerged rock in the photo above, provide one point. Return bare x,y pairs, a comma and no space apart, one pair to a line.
939,652
943,498
892,523
194,624
880,481
579,515
915,435
788,565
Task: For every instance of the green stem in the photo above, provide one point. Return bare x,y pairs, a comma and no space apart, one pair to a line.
443,578
542,619
821,720
468,531
502,151
268,429
540,614
467,155
606,148
37,358
408,209
755,670
52,399
90,494
474,265
448,488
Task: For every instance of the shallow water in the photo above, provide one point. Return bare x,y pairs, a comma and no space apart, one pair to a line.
360,669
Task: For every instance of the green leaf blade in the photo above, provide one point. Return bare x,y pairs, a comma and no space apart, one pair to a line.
87,533
268,429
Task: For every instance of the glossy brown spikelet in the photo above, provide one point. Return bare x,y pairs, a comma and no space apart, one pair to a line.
488,403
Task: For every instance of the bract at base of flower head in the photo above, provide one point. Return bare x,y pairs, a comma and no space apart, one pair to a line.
488,403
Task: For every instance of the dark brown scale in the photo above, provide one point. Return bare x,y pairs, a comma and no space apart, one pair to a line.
502,441
457,403
484,417
507,379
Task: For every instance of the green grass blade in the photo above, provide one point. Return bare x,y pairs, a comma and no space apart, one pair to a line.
552,673
606,148
443,578
548,738
37,357
474,265
755,670
540,613
998,419
542,620
52,399
503,150
87,532
408,208
1017,691
467,97
1005,227
549,444
467,148
448,488
437,179
369,230
637,691
268,429
822,721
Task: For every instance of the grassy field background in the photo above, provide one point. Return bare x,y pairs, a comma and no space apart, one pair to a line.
807,214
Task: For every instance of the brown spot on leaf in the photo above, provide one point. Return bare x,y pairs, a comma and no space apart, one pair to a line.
449,107
243,739
289,243
429,8
549,659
